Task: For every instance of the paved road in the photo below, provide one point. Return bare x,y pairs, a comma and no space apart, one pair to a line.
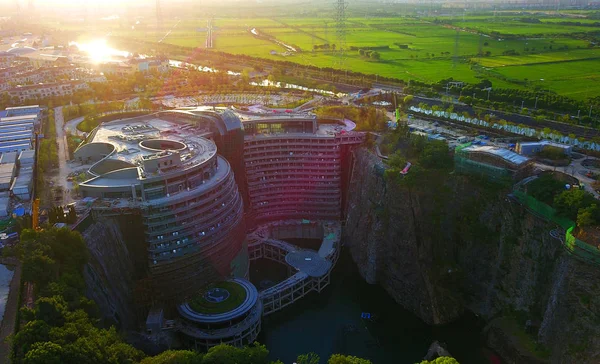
71,126
63,156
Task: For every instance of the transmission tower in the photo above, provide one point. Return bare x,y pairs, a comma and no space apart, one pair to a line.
159,19
340,31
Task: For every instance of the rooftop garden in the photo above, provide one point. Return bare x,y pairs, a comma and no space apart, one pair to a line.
218,297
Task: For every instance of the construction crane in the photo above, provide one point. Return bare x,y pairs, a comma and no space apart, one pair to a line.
35,214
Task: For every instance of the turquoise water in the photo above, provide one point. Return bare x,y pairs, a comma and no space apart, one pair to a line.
6,275
331,322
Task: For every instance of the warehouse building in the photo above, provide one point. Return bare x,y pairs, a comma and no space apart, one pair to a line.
532,148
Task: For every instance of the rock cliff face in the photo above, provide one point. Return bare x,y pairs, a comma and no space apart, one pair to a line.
109,274
453,243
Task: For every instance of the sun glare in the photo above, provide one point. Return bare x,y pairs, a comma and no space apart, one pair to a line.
99,51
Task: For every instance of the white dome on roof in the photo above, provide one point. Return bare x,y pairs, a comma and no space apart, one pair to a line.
21,50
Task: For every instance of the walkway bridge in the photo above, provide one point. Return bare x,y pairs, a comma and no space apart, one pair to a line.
313,269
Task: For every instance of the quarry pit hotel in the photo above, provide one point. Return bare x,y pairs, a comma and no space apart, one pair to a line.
203,191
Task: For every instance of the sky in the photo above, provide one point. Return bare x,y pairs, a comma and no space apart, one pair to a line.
80,3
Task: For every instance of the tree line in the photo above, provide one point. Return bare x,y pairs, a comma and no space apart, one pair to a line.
62,327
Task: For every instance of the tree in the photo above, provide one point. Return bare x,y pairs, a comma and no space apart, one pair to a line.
570,201
44,353
396,160
38,268
51,310
310,358
31,333
408,99
587,216
175,357
441,360
435,155
375,55
346,359
225,354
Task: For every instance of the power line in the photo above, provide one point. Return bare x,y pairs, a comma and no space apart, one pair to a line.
340,31
159,19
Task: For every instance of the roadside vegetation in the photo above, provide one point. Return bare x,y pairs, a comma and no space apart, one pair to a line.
48,153
73,142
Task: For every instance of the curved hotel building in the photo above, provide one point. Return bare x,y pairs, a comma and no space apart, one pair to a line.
191,208
294,166
199,179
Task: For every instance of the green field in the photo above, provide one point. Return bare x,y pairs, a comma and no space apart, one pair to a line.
579,79
509,48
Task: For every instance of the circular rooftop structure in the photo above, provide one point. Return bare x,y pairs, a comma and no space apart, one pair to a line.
220,302
309,262
21,50
158,145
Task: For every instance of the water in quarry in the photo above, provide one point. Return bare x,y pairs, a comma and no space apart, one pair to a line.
330,322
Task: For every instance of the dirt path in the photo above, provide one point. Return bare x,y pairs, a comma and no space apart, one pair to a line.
10,315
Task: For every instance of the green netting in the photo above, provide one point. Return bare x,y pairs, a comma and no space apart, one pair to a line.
460,147
468,166
581,249
576,247
542,209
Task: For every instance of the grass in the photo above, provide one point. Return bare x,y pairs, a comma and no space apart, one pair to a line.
432,46
512,26
577,79
539,58
237,295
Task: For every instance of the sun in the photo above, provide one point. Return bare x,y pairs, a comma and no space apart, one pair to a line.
98,50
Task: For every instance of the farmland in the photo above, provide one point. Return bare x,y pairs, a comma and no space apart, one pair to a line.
511,50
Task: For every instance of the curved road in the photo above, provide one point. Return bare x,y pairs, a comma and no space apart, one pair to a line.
71,126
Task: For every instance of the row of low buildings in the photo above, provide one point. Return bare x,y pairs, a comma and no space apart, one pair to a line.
17,154
13,77
27,73
16,178
61,57
47,90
